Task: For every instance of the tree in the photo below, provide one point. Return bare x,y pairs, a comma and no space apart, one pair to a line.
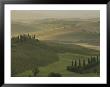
84,63
94,59
97,59
72,62
35,71
89,60
18,37
34,36
75,63
79,63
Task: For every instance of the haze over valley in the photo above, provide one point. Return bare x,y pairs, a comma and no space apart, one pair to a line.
51,38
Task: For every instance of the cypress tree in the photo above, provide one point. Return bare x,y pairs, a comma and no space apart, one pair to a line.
94,60
34,36
79,63
84,63
89,60
75,64
72,62
97,59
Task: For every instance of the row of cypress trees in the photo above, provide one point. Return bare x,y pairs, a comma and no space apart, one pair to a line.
82,65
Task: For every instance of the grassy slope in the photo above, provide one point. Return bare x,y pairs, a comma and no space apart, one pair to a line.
60,67
28,54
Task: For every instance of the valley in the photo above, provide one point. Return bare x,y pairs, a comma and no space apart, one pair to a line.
44,48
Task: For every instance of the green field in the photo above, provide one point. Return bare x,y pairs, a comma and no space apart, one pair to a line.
59,67
49,56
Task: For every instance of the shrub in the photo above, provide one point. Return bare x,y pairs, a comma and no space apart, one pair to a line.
53,74
35,71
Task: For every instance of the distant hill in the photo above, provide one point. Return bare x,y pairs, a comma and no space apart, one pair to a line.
76,30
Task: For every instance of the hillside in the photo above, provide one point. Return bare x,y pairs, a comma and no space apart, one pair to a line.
28,53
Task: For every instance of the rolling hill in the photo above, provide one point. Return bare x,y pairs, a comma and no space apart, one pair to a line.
77,30
57,43
29,54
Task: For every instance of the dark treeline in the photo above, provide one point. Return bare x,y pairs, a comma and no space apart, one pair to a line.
85,65
24,37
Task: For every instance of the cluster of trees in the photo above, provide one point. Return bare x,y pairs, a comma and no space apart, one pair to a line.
85,65
36,70
24,37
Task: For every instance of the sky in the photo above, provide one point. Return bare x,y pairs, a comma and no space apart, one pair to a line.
42,14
